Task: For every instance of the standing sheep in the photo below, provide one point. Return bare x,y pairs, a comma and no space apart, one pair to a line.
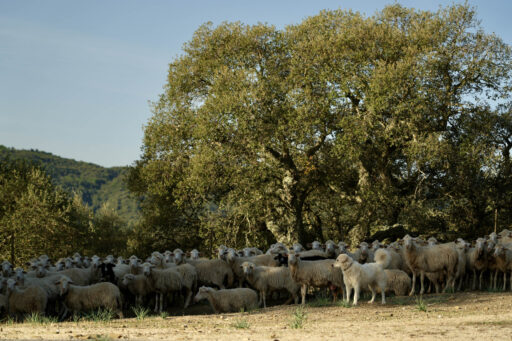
32,299
163,280
86,298
139,286
434,258
318,274
266,279
228,300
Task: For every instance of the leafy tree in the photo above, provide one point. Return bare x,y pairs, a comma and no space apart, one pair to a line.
333,127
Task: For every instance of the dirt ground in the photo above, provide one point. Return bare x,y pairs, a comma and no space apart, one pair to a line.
468,316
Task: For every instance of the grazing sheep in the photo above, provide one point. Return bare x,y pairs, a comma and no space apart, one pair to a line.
318,274
268,278
358,276
32,299
86,298
163,280
228,300
434,258
139,286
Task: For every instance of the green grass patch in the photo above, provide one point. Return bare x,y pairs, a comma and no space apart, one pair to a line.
240,324
100,315
140,312
421,305
299,318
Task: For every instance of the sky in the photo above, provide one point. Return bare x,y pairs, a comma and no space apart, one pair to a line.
76,77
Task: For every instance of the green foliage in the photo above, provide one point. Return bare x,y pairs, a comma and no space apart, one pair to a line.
299,318
100,315
97,185
337,127
38,217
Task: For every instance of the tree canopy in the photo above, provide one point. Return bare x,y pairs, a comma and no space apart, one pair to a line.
335,127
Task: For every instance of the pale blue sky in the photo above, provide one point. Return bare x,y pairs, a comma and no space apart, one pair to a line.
76,76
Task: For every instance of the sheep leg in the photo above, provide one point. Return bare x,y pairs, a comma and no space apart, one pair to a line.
156,302
161,302
495,279
473,287
303,290
356,293
383,294
189,297
422,278
374,293
481,280
504,281
413,283
348,289
263,296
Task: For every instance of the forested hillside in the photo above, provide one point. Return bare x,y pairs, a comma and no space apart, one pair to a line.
97,185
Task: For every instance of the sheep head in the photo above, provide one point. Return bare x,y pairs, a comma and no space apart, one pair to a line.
203,293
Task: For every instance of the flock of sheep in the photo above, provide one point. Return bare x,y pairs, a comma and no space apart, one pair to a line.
243,279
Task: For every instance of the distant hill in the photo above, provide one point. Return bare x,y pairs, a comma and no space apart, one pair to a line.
96,184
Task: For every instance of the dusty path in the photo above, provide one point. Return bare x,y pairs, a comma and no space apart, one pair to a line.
467,316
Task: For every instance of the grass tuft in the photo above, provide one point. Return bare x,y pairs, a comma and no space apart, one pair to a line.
241,324
39,319
140,312
299,318
420,304
100,315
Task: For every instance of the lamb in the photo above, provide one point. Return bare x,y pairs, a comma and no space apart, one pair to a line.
32,299
266,279
163,280
139,285
371,275
85,298
430,259
315,273
228,300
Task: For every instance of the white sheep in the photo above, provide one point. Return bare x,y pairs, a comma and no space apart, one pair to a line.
434,258
476,261
7,269
228,300
213,272
503,259
319,274
265,279
32,299
236,263
139,285
188,280
163,280
398,282
86,298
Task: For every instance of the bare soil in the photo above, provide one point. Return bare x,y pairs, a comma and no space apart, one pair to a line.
467,316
